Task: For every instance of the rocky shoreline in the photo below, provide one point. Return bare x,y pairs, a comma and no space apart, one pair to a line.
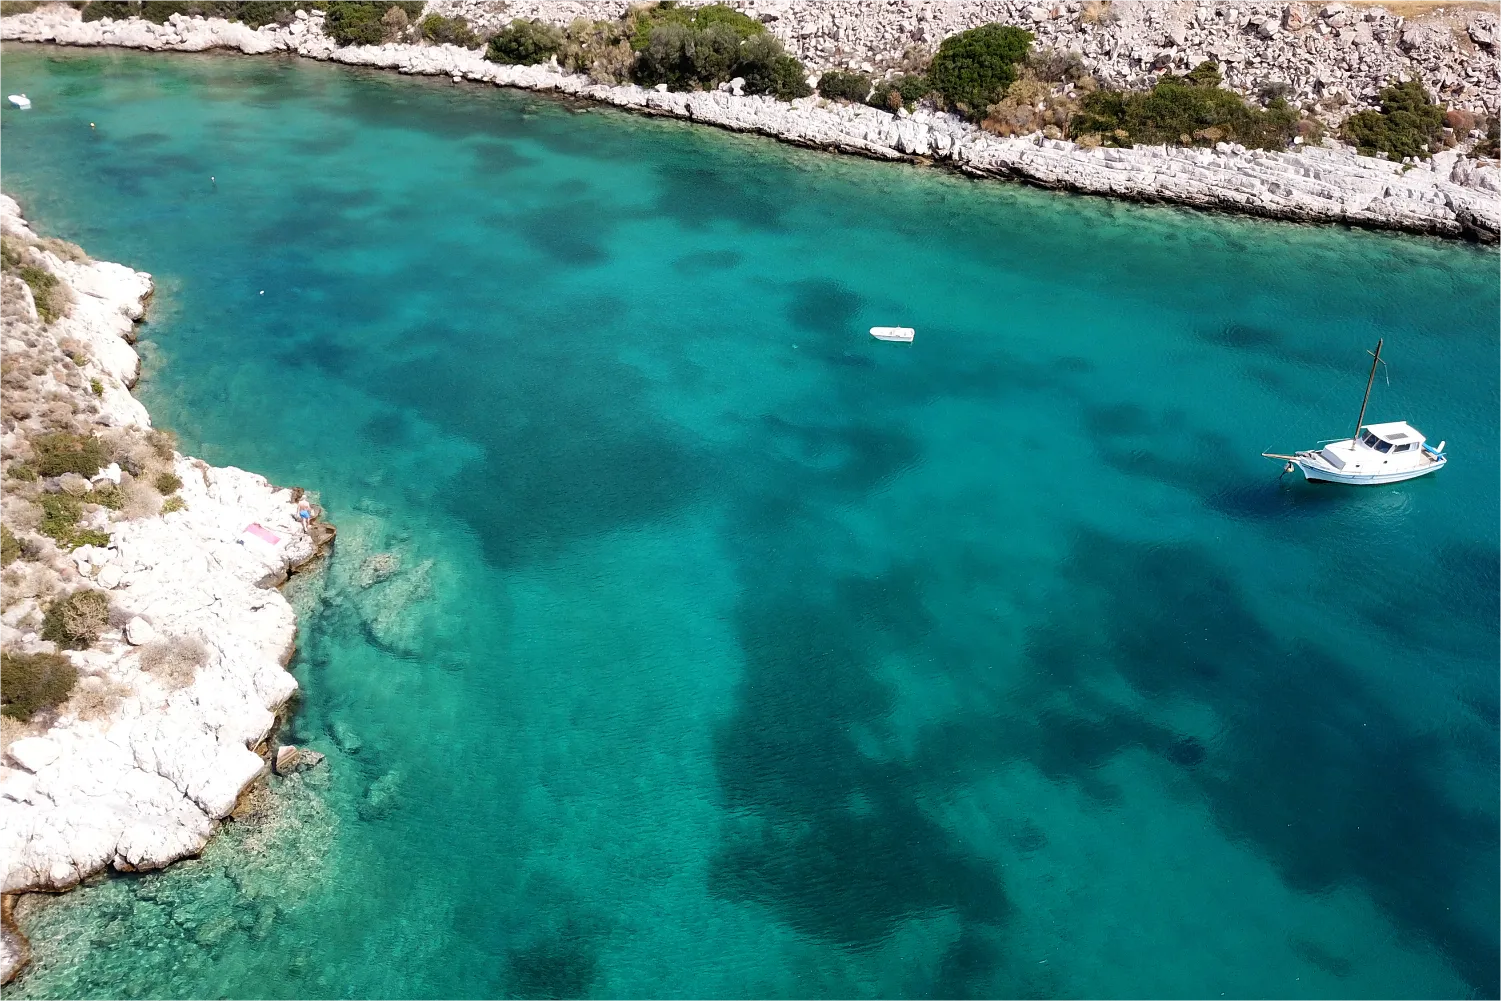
1449,195
177,697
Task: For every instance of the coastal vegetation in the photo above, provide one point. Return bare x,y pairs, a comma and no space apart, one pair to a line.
903,91
76,620
1408,124
442,30
1189,110
972,69
525,42
32,682
838,85
661,44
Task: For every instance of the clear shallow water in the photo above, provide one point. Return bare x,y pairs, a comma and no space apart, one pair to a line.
734,653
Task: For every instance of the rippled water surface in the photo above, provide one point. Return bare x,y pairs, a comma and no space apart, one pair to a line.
735,653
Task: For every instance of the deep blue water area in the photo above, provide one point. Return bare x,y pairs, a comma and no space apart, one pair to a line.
734,653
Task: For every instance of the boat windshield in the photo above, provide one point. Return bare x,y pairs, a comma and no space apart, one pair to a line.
1383,446
1371,440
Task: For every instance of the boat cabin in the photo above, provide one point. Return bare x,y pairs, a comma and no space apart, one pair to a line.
1394,436
1376,447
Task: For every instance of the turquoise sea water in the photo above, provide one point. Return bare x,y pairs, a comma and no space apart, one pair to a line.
735,653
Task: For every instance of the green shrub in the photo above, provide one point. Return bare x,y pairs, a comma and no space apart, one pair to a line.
60,514
686,58
21,471
1408,124
10,547
116,9
11,253
646,21
448,31
900,92
107,495
9,7
353,23
699,49
50,294
31,682
67,452
168,483
1191,110
768,69
838,85
161,9
525,42
96,387
356,23
174,503
75,622
973,68
598,48
1490,146
90,537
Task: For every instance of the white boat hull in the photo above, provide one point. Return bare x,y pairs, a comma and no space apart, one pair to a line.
20,100
892,333
1317,471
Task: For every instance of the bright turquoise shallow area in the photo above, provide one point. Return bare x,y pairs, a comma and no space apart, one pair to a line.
735,653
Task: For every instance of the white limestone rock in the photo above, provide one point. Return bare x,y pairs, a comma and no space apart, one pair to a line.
146,784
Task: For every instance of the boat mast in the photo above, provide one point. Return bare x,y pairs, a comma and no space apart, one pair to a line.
1376,360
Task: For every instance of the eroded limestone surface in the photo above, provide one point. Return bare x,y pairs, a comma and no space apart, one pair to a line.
137,767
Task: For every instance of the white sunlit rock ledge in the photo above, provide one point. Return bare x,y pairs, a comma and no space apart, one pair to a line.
1447,195
145,782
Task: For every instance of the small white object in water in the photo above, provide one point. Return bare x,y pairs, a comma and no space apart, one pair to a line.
892,333
20,100
263,291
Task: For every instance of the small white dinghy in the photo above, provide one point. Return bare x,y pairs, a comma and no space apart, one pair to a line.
20,100
1379,453
892,333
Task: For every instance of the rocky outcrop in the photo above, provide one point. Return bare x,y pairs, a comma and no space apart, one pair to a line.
1446,195
183,685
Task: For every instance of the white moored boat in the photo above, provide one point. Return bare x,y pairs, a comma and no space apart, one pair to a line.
1379,453
20,100
892,333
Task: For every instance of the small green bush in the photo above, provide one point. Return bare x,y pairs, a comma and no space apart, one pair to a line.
973,68
900,92
1191,110
67,452
649,19
258,12
10,547
174,503
768,69
168,483
107,495
1490,146
60,514
76,621
525,42
22,472
116,9
838,85
1408,124
31,682
11,253
96,387
350,22
159,11
9,7
50,294
448,31
90,537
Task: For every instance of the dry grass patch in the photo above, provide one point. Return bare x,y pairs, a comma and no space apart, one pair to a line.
97,698
174,662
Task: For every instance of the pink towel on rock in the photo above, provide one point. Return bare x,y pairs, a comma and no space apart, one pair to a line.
264,534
